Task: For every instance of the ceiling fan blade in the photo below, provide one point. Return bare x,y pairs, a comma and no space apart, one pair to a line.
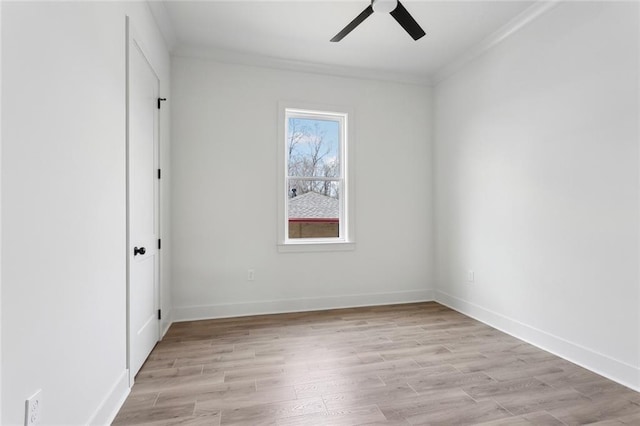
407,22
357,21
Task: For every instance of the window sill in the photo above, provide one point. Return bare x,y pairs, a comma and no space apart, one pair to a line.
315,246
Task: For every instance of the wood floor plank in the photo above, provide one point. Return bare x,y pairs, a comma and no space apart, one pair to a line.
532,419
631,419
492,389
603,388
541,399
326,387
448,381
413,407
163,383
418,363
270,413
521,369
372,396
595,411
149,375
416,373
144,415
368,415
209,420
466,415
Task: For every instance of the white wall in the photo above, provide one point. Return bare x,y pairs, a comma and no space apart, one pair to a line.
163,67
224,213
536,153
63,205
0,209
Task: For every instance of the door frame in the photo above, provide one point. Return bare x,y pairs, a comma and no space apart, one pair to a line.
133,37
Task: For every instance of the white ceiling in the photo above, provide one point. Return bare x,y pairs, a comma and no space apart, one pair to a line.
299,31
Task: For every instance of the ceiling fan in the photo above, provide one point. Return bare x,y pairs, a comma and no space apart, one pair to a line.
393,7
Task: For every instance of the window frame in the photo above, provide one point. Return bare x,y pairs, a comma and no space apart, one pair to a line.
344,116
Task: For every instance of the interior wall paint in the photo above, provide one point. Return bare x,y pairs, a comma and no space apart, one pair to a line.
163,63
224,213
63,205
536,182
165,201
0,209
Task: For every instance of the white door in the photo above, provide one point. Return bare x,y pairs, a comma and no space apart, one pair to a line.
142,152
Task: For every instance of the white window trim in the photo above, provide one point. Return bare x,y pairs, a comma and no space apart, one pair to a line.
347,241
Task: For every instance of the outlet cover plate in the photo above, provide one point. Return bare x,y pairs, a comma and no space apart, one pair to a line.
32,408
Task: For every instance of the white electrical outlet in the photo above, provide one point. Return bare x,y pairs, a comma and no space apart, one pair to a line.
251,275
32,408
470,276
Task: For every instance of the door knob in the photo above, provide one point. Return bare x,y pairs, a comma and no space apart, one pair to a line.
137,251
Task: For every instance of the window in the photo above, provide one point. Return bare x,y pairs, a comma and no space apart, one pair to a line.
314,199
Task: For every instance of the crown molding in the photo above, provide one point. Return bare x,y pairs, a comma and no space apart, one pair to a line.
248,59
163,22
516,24
161,16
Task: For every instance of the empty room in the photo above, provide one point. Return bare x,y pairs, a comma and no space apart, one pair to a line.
318,212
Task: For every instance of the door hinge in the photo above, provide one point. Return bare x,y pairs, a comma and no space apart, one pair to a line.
159,243
159,313
159,173
161,100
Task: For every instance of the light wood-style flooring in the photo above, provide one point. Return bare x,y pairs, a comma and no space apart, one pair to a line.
414,364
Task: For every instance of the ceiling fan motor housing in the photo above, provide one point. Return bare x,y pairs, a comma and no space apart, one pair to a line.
392,7
384,6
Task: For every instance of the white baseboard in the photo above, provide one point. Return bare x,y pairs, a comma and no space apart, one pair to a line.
618,371
190,313
167,320
111,404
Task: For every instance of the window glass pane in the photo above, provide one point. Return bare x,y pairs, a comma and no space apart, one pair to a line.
313,147
329,188
314,209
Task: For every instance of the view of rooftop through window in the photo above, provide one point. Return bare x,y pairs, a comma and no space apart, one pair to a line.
314,176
